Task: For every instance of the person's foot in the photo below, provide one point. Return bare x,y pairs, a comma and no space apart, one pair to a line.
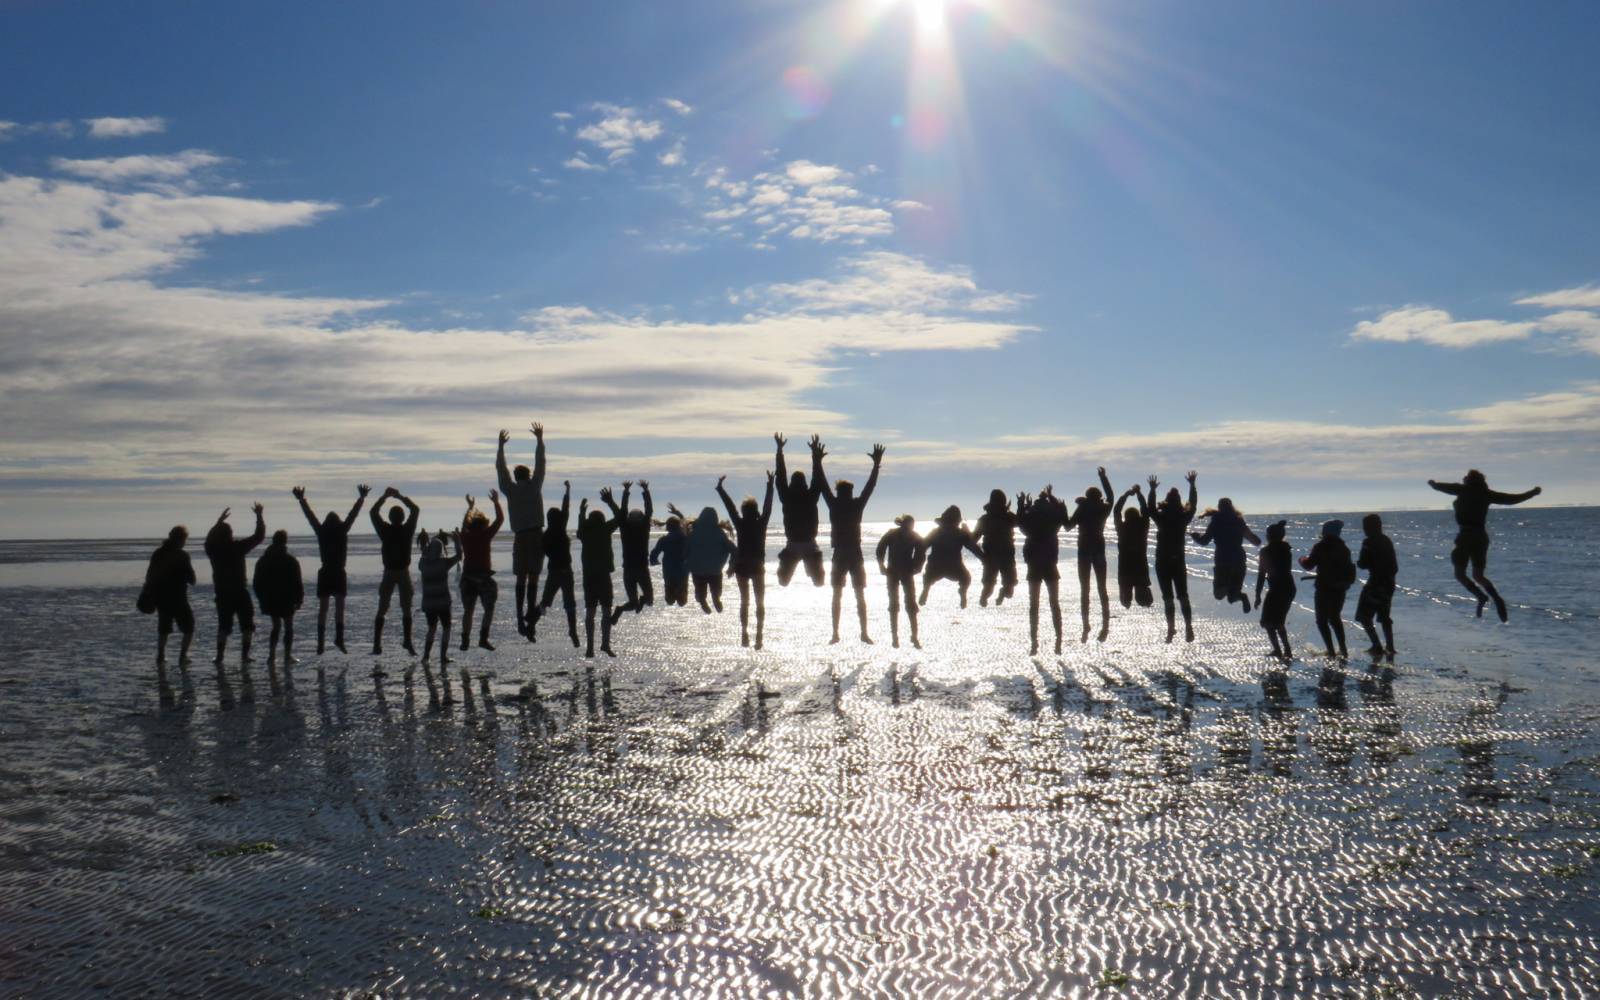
1374,650
705,607
1058,645
1171,634
894,642
466,643
718,602
916,642
1483,602
1246,602
289,661
320,647
448,699
983,602
161,661
588,654
377,649
1033,650
1085,634
484,643
1329,653
758,640
408,647
218,660
574,637
963,601
1188,633
832,642
246,658
607,650
339,645
1500,609
444,660
744,640
1389,652
1105,630
184,661
522,627
866,638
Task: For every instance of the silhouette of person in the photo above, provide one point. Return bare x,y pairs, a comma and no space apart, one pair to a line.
1133,533
394,536
1336,571
845,510
524,493
635,535
280,590
558,562
1473,499
800,521
1089,516
1172,517
1377,594
1226,530
901,553
166,588
1275,566
434,569
477,568
750,558
333,546
1041,520
996,531
599,562
708,550
670,552
231,589
944,544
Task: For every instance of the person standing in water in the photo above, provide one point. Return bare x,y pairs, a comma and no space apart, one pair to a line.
996,531
670,552
845,510
1041,520
901,552
228,581
558,562
333,546
524,493
1225,528
166,589
706,553
395,537
1473,499
1172,517
477,568
1089,516
1133,533
599,562
1377,595
635,535
944,544
434,569
750,559
280,590
1275,566
800,521
1330,559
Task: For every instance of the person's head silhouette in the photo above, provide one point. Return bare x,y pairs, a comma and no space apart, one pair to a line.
397,516
844,489
521,473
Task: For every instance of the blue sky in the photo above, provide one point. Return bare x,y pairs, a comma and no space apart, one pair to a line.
1320,253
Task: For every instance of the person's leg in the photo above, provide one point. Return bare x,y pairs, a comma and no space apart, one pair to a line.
338,621
405,610
744,610
1105,601
893,585
1085,568
224,627
521,597
813,562
716,592
1124,592
1164,577
1365,611
185,621
758,587
605,627
163,630
288,639
1033,615
927,584
991,572
1053,586
1480,560
701,587
322,621
647,589
247,628
489,593
272,640
1459,558
589,610
569,603
1142,595
838,581
469,605
1320,604
427,640
385,595
911,614
858,580
1283,637
1336,619
963,582
1269,623
1008,580
1180,586
788,559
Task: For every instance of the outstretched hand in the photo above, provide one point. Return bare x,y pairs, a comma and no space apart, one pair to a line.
538,430
780,439
258,509
505,435
817,447
390,492
1191,476
644,484
770,475
1100,470
1154,482
876,454
494,496
224,515
672,509
720,481
299,492
363,489
1538,490
471,502
605,493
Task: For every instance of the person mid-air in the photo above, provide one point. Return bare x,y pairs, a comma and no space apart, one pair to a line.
1172,517
333,546
395,536
231,589
1275,566
280,590
1041,520
434,569
750,558
599,562
524,493
706,553
800,521
558,563
1473,499
671,551
1133,534
901,552
1089,516
944,545
1336,571
845,510
1377,594
477,568
1225,528
996,531
635,535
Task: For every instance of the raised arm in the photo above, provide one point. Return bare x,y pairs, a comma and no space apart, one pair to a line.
566,500
1122,501
627,498
649,505
1105,484
1454,489
872,481
376,513
538,456
727,501
819,479
355,511
416,512
311,515
609,499
766,505
783,471
1508,499
260,533
466,515
499,512
1194,493
501,470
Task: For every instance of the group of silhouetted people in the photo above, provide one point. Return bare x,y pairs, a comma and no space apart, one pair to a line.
702,550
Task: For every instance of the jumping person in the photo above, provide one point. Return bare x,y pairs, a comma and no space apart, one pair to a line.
558,562
228,581
1133,534
750,559
1275,566
395,537
280,590
524,493
1041,520
635,535
1377,595
1330,558
1225,528
166,588
1172,517
477,568
594,540
845,510
706,554
800,521
944,544
901,552
333,546
670,552
1473,498
996,531
1089,516
434,569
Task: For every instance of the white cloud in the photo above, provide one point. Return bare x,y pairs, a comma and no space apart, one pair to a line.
808,200
581,162
122,128
907,205
672,157
619,130
1435,326
677,105
175,166
7,129
805,173
1580,297
561,116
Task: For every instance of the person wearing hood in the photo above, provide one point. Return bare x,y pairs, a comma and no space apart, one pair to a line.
706,555
1089,516
750,562
280,590
800,522
1172,517
1226,529
1336,571
1377,594
1041,519
901,552
997,536
228,583
599,562
166,592
524,492
333,546
1133,534
669,553
557,546
477,569
635,535
1275,567
845,511
1473,499
945,543
434,568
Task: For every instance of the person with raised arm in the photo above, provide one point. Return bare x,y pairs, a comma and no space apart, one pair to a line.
1275,567
231,588
166,592
280,590
434,570
333,546
1225,528
524,493
1473,499
395,536
750,555
845,511
901,554
1336,571
477,568
635,535
1041,520
1089,516
558,563
594,540
800,521
1133,534
996,531
944,546
1172,518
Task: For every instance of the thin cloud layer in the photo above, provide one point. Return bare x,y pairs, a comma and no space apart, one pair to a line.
1576,322
124,128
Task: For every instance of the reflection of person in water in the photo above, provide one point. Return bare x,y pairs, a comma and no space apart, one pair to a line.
477,568
1089,516
1172,517
333,545
594,540
996,531
1335,570
750,561
1041,520
1133,534
670,552
635,536
1275,567
1225,528
1473,499
166,589
524,493
395,536
900,556
280,590
231,589
434,568
944,544
800,521
558,562
1377,594
845,510
706,554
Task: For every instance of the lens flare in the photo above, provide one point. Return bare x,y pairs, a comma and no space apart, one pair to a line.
805,93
